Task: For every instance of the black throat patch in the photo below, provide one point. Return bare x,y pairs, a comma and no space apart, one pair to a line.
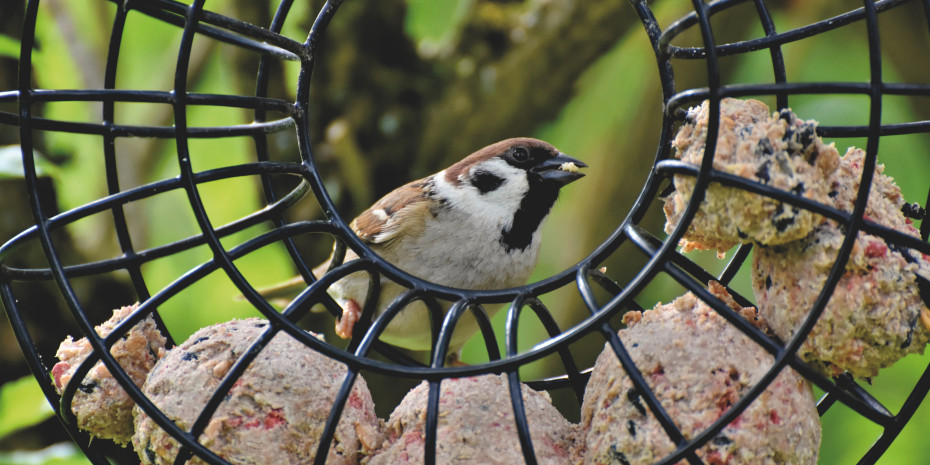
534,208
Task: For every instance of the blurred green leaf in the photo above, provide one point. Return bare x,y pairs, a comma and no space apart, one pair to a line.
58,67
11,163
57,454
9,47
21,405
435,23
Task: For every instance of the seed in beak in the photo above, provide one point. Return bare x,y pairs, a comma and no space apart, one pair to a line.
568,166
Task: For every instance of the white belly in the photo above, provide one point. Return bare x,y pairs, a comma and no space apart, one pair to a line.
484,265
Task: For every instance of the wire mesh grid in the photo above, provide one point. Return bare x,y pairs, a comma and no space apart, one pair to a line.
662,255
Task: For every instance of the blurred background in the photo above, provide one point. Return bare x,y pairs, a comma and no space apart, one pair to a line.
400,90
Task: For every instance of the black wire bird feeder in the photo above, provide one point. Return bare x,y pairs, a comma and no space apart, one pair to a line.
269,44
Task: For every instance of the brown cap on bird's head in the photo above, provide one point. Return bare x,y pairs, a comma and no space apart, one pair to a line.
534,155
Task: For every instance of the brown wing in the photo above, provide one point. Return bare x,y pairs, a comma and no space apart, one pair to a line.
399,212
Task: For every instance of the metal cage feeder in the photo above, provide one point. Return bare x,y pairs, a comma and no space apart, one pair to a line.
268,42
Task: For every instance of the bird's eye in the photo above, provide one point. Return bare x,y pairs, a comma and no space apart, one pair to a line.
520,154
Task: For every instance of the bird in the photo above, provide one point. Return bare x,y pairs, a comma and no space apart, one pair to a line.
475,225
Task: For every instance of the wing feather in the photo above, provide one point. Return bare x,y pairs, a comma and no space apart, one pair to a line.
398,213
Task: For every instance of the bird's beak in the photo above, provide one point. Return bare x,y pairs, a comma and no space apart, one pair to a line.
559,170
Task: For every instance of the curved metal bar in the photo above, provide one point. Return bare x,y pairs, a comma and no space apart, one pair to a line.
438,358
158,132
175,13
691,19
778,58
112,95
641,390
123,236
766,42
432,422
142,256
552,329
385,317
687,448
371,303
893,429
662,256
519,416
674,434
220,257
316,288
188,181
487,333
231,24
335,414
24,80
513,382
733,266
262,148
699,94
440,350
449,322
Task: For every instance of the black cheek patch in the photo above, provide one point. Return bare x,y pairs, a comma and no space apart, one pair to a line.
486,182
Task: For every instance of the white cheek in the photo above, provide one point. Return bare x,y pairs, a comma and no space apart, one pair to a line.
496,207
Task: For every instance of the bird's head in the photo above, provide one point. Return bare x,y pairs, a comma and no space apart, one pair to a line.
513,182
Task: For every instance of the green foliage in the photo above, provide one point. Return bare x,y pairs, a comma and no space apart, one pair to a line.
22,405
151,44
57,454
435,24
605,124
9,47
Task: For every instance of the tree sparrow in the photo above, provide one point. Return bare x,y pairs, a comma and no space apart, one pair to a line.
474,225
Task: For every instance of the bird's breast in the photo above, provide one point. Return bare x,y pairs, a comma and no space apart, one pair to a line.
473,256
